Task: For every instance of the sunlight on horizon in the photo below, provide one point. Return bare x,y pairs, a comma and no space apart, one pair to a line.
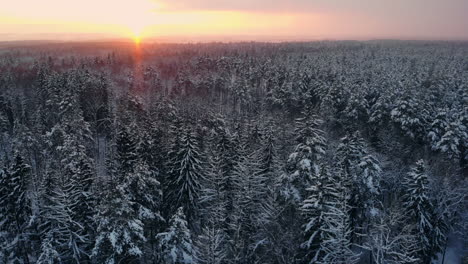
144,19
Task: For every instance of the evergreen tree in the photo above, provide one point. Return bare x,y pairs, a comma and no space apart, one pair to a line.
126,151
328,229
176,246
389,239
251,192
418,206
210,246
269,156
61,234
363,179
186,175
410,117
15,211
120,231
79,175
310,148
314,208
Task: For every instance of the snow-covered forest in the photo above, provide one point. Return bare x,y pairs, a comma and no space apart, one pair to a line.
323,152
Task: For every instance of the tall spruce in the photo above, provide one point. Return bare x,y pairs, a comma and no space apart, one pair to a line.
15,211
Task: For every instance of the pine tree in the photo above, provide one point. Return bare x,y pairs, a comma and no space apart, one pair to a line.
389,239
410,116
299,169
78,170
314,207
128,207
176,246
251,192
269,162
211,246
212,198
337,234
328,229
120,231
418,206
126,151
15,210
451,142
226,156
186,175
61,234
363,179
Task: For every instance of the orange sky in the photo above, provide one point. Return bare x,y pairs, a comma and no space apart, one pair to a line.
296,19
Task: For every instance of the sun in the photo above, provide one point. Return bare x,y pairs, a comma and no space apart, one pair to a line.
137,29
139,17
137,39
136,32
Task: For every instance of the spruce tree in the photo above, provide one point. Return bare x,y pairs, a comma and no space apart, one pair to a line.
419,208
186,175
299,168
120,231
328,231
176,246
210,246
61,236
15,210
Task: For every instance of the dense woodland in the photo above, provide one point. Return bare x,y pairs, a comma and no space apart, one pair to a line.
322,152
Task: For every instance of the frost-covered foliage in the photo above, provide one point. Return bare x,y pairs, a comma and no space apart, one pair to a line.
421,212
390,240
211,246
176,244
328,230
300,164
276,152
15,210
185,174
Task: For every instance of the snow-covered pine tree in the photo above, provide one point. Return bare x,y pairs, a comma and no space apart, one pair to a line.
145,192
267,236
390,240
186,174
15,211
327,229
126,151
410,116
453,139
314,208
61,236
363,172
79,174
378,112
210,246
212,200
299,168
269,162
176,246
120,231
227,156
437,127
128,207
336,229
418,206
249,202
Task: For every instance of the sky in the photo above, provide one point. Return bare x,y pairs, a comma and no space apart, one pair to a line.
250,19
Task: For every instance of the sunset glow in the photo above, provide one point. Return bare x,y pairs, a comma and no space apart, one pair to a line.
141,19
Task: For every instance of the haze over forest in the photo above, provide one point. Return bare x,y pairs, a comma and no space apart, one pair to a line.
234,132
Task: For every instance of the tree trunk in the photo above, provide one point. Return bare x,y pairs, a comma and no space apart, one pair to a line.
445,250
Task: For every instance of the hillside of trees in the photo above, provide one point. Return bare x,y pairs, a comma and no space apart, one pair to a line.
289,153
